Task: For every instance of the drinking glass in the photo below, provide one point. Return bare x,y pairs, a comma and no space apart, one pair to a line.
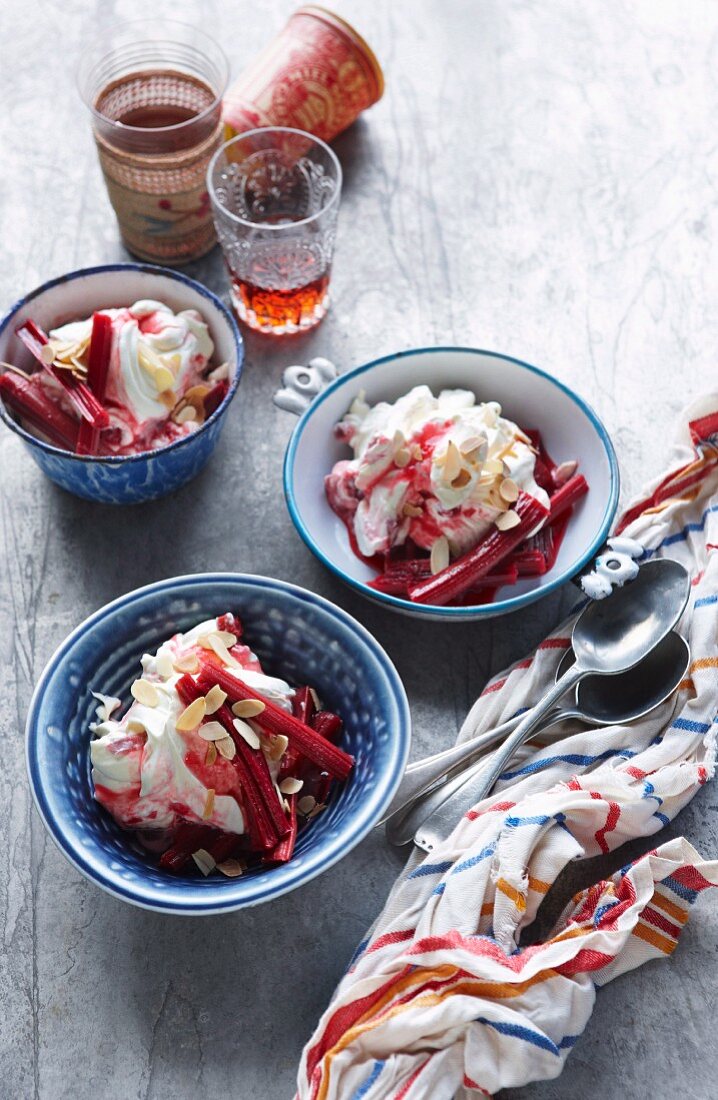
155,95
275,197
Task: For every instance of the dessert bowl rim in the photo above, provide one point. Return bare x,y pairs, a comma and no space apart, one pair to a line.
150,269
288,876
473,611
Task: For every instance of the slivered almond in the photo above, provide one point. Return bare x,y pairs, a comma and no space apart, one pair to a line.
462,479
213,699
315,699
191,716
439,554
208,805
402,457
244,730
248,708
164,666
290,785
274,747
412,510
185,415
306,805
509,490
187,662
471,444
145,692
452,462
204,861
507,520
163,379
230,868
226,748
212,731
211,754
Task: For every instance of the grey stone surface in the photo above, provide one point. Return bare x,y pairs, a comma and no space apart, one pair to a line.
540,179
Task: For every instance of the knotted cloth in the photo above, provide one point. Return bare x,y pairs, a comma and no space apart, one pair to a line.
440,999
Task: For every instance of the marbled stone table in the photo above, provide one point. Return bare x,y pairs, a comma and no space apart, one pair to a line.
539,179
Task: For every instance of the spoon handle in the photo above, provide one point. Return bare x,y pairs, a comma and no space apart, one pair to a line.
443,820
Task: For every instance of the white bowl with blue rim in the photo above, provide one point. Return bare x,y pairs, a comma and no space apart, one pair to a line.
530,397
124,479
297,635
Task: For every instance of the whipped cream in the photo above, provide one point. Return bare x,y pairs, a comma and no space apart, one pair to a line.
157,355
146,772
429,466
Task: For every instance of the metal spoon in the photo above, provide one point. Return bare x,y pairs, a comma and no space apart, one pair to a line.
610,636
624,698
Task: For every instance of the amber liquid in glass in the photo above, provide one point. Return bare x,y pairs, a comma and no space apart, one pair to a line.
156,99
295,309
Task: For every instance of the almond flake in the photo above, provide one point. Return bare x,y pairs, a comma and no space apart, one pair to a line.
402,457
144,692
248,708
318,809
439,554
412,510
230,868
306,805
187,662
244,730
167,398
204,861
208,805
473,443
211,754
462,479
191,716
399,440
212,731
213,699
452,462
223,635
564,471
226,748
507,520
509,490
216,643
315,699
47,354
164,666
416,452
291,785
274,747
185,415
493,466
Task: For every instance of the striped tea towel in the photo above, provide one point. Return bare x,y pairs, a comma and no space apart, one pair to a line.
440,999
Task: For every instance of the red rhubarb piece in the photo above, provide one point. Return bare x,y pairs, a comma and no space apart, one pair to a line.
303,708
568,495
285,849
461,575
98,365
81,396
528,563
230,623
274,720
27,399
214,398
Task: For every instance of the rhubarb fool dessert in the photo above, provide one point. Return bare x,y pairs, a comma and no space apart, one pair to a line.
446,498
215,764
120,382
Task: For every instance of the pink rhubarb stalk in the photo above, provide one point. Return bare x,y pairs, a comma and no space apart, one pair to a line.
81,396
28,400
98,365
461,575
274,720
568,495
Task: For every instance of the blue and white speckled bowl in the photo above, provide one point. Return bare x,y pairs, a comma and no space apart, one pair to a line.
297,635
124,479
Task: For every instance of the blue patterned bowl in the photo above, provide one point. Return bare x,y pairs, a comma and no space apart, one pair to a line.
297,635
124,479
